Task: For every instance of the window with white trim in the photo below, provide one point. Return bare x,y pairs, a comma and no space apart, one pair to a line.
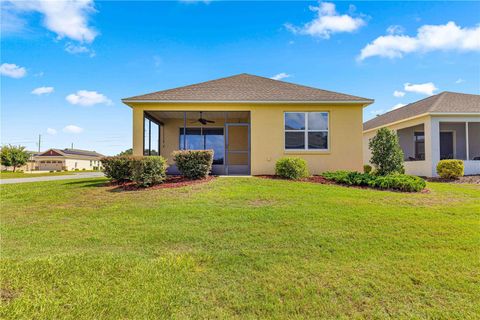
306,130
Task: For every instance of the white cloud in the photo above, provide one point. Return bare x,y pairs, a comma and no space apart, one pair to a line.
42,90
78,49
427,88
398,105
88,98
51,131
429,38
280,76
66,18
460,80
72,129
327,22
395,29
12,70
398,94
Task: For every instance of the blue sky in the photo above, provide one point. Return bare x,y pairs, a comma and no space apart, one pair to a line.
66,65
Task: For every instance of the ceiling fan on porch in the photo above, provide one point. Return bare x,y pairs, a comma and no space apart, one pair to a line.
202,120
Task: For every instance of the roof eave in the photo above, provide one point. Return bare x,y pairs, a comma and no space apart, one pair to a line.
366,102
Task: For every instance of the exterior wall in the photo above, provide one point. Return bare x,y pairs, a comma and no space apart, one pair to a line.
79,164
267,133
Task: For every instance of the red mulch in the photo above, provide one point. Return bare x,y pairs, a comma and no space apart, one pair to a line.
170,182
322,180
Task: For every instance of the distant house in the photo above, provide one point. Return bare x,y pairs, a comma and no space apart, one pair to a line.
443,126
67,159
250,122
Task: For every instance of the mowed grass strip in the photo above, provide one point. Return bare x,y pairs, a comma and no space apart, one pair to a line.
238,248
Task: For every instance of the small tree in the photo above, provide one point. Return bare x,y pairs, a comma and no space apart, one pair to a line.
387,156
14,156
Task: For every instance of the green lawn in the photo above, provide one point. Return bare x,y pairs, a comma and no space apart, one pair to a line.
12,175
238,248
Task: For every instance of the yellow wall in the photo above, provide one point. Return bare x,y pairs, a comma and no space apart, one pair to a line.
267,133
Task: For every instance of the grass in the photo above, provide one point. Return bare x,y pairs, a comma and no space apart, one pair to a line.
14,175
238,248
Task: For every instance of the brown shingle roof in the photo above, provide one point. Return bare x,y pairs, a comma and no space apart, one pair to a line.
245,87
444,102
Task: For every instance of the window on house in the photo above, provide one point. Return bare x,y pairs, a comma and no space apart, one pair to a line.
419,145
306,130
204,139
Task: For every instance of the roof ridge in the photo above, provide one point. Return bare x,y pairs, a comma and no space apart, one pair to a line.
186,86
405,106
436,102
303,86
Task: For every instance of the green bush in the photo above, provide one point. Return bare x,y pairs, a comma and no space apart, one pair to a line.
148,171
450,169
194,164
118,168
401,182
367,168
291,168
387,156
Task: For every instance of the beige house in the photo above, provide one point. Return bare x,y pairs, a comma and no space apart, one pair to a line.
443,126
250,122
67,159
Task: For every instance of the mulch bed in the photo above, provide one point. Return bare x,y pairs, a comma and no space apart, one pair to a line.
322,180
170,182
465,179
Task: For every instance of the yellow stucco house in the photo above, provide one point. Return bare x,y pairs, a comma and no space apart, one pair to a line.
250,122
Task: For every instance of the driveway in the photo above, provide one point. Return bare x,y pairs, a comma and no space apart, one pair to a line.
79,175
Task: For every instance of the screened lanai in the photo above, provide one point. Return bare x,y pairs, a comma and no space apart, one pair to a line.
227,133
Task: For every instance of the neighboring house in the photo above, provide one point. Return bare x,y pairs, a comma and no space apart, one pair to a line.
250,122
67,159
443,126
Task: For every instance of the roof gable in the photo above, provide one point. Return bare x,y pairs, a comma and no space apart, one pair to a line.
246,88
444,102
51,153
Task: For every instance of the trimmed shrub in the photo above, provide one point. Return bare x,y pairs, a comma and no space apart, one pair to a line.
401,182
118,168
387,156
291,168
194,164
367,168
450,169
148,171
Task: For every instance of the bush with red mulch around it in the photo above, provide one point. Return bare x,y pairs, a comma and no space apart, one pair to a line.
170,182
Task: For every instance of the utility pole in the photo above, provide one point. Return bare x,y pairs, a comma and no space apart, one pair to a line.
39,142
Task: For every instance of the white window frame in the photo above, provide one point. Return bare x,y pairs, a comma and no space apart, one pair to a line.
306,131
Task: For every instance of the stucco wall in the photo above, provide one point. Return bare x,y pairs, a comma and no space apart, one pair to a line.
267,134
